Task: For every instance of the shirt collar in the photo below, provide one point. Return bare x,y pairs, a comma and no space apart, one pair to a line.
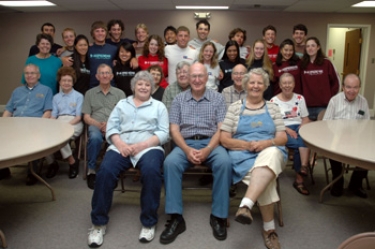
189,96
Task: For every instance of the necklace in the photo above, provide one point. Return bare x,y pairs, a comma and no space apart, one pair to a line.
256,109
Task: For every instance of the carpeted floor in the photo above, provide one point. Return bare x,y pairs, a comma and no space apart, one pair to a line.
30,220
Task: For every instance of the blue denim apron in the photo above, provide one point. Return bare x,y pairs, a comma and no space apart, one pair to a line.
251,128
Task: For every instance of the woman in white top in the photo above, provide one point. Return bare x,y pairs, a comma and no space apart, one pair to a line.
294,111
208,57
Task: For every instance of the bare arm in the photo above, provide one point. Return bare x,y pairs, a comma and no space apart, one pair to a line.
7,114
75,120
47,114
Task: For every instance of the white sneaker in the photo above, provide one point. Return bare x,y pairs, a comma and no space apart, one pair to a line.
147,234
96,234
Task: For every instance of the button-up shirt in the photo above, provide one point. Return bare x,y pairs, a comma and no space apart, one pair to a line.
198,117
232,95
170,93
30,102
137,124
67,104
99,105
340,108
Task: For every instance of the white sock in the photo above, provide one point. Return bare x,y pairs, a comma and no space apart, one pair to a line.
269,225
247,202
91,171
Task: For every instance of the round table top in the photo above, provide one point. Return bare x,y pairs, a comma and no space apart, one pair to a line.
27,139
347,141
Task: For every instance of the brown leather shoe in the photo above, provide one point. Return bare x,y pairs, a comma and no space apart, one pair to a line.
243,215
271,240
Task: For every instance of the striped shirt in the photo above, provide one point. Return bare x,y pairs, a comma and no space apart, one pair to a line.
340,108
232,117
198,117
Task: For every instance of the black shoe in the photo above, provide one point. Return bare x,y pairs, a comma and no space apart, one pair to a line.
4,173
52,170
74,169
91,181
30,180
360,192
174,227
219,227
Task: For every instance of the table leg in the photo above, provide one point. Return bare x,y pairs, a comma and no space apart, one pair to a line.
3,240
42,181
331,183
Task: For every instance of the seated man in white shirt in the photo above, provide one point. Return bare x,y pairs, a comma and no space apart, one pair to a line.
348,104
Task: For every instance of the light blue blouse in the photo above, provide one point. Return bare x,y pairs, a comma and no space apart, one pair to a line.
137,124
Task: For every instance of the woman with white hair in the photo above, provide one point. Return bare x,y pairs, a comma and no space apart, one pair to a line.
254,134
136,130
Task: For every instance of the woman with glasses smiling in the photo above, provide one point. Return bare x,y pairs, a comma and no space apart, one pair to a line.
295,114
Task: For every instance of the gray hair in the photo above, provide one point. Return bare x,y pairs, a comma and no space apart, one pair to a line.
103,65
257,71
33,65
142,75
284,75
181,64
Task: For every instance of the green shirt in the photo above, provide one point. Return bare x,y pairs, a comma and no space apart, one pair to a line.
98,105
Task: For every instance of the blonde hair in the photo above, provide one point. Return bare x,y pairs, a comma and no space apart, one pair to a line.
266,62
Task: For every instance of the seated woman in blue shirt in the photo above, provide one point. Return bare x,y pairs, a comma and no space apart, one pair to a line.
67,106
136,129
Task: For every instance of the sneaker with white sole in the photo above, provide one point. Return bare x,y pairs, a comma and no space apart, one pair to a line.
96,234
147,234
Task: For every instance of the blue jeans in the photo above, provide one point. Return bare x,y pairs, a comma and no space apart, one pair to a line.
94,145
106,179
175,165
314,112
295,144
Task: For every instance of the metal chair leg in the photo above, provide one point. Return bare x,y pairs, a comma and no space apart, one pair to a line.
3,240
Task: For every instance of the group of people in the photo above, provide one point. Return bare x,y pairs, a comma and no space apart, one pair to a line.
232,108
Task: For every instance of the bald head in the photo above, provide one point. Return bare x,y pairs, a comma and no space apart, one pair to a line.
198,77
351,86
237,75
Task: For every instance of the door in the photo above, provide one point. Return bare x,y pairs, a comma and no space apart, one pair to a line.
352,56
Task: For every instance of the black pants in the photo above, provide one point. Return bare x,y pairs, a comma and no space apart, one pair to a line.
355,180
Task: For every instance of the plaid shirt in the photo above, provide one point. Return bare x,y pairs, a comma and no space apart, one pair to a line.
198,117
170,93
231,95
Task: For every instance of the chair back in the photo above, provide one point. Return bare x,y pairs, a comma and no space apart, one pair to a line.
321,115
359,241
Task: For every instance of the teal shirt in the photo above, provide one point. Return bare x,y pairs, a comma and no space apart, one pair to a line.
48,70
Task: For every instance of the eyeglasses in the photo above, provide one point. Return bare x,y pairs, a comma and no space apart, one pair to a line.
104,73
182,72
199,76
30,73
238,73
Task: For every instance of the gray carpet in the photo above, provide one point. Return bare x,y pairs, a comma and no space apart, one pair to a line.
30,219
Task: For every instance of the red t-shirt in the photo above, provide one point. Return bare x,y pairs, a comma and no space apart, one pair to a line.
151,60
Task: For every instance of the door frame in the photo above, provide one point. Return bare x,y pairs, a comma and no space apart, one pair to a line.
366,32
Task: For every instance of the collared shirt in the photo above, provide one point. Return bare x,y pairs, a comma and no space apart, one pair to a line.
170,93
232,117
137,124
99,105
67,104
26,102
340,108
198,117
231,95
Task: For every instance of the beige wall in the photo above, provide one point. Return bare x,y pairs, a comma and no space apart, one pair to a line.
18,32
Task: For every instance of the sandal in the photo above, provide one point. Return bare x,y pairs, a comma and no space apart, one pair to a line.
300,187
304,171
